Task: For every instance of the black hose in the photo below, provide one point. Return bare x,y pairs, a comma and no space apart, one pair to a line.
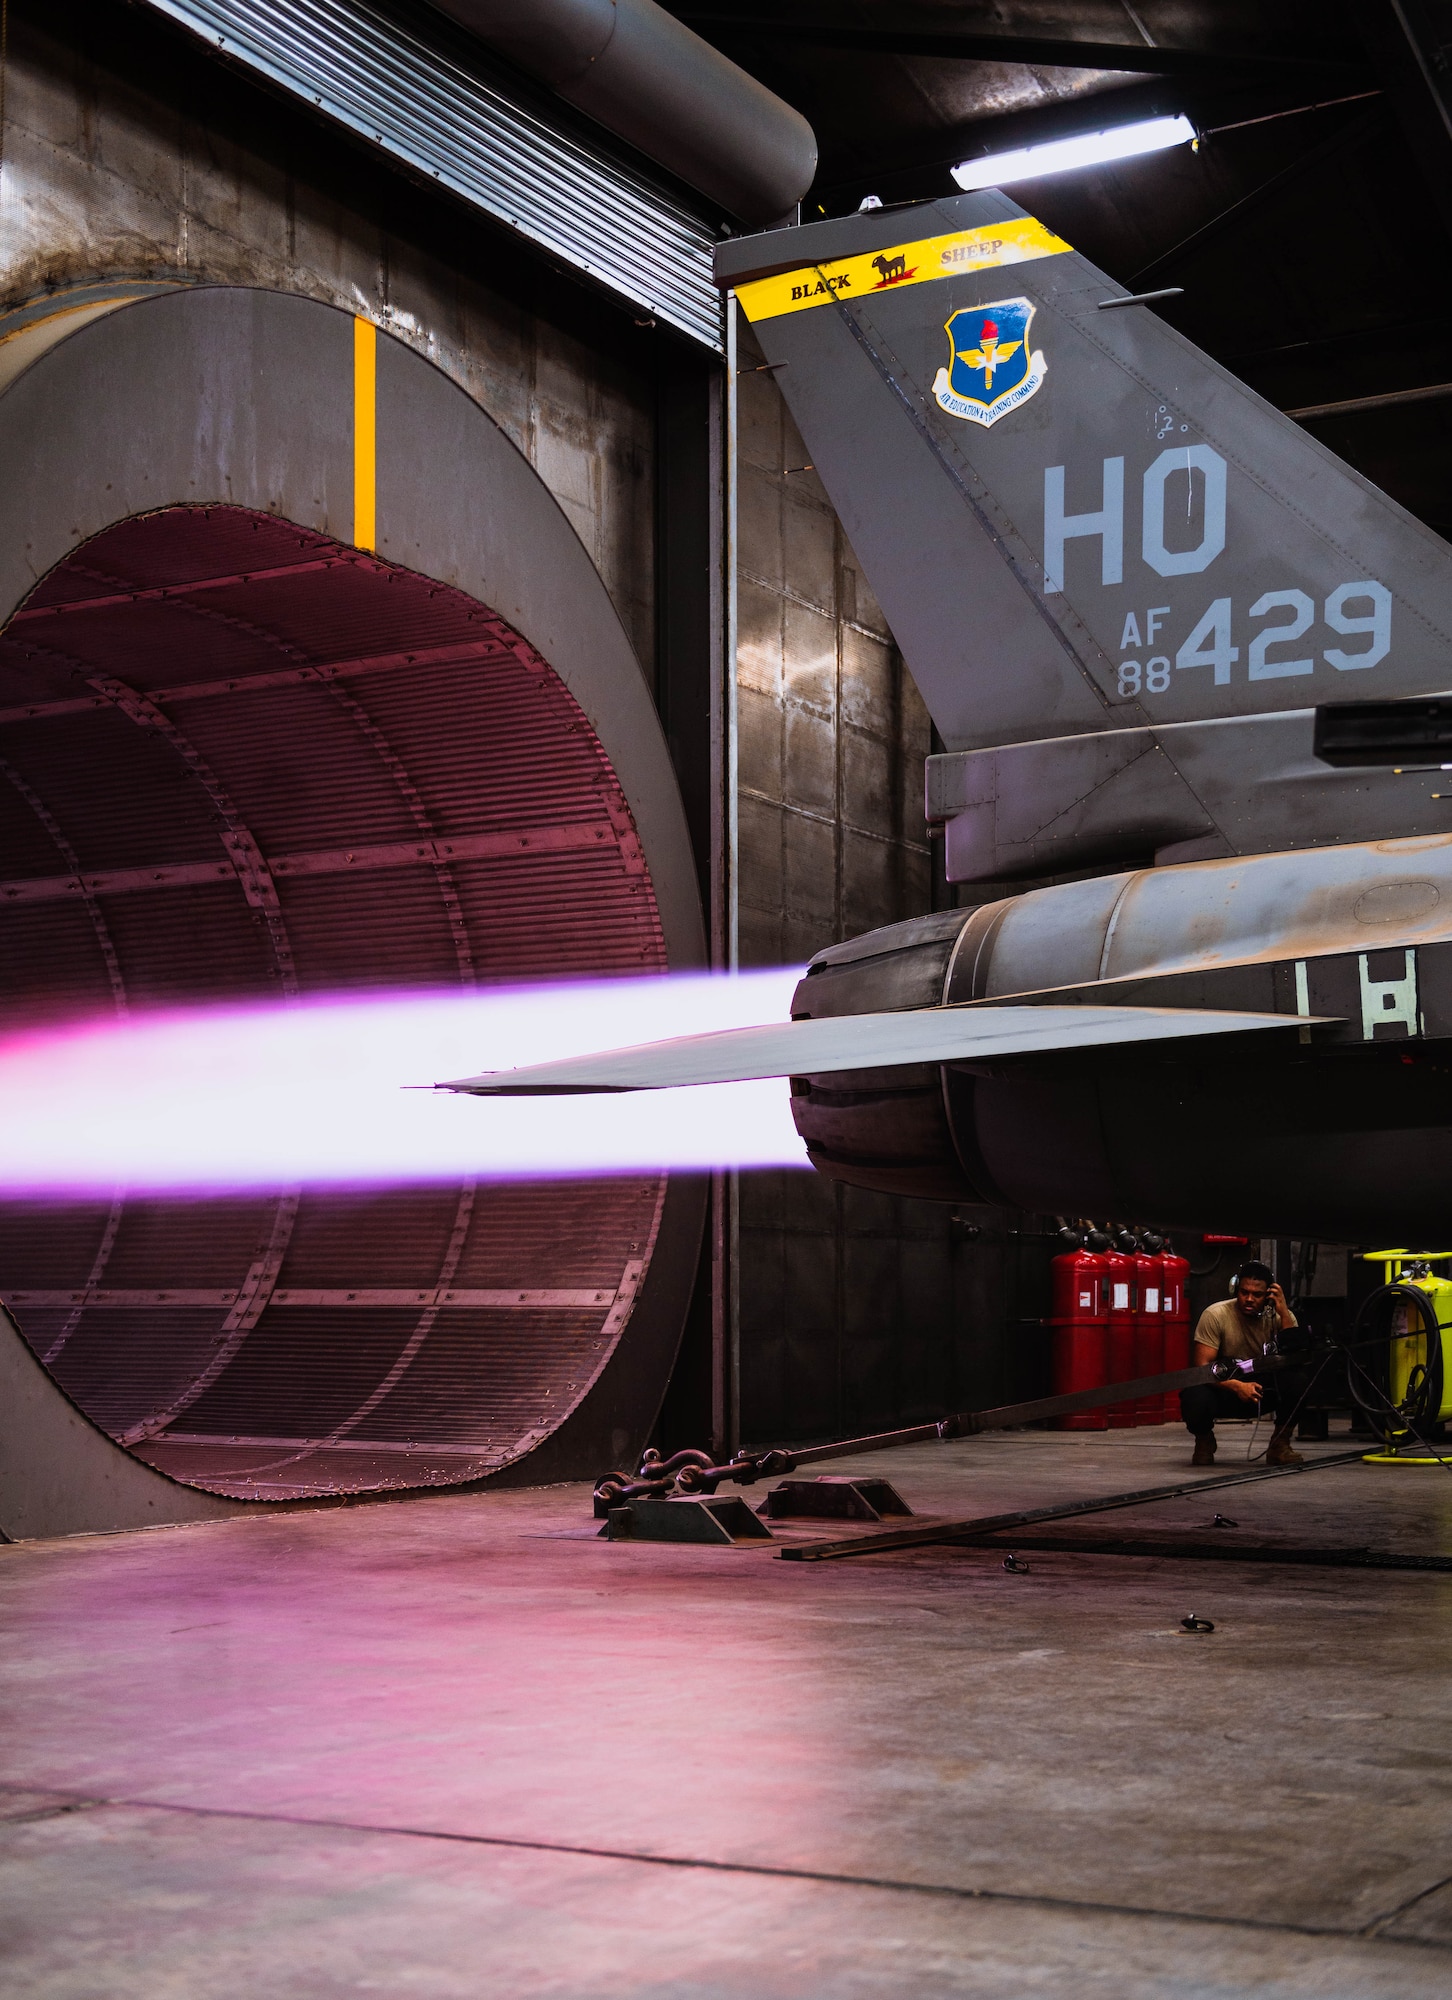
1284,1421
1426,1403
1423,1404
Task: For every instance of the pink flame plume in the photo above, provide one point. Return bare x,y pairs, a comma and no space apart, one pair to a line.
209,1099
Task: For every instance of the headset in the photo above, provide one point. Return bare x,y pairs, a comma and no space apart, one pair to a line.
1252,1268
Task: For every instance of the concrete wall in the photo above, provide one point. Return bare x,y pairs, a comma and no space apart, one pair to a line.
129,152
860,1312
833,732
856,1310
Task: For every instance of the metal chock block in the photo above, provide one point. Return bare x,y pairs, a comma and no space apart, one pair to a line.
834,1498
722,1519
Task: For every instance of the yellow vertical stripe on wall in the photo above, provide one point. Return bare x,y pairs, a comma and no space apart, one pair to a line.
365,433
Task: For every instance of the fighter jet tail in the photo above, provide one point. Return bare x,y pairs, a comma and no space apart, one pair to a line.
1122,580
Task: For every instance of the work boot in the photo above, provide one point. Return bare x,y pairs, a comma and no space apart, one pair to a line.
1204,1449
1279,1452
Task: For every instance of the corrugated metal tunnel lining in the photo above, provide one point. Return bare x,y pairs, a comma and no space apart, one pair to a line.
239,759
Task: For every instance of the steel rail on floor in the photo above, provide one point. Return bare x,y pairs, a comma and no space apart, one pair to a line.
1229,1550
936,1533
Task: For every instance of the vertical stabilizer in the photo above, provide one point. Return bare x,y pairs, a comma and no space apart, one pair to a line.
1121,579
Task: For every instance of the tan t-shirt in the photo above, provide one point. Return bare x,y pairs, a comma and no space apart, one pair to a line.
1235,1337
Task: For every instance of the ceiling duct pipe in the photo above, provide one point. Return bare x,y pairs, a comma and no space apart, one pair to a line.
635,70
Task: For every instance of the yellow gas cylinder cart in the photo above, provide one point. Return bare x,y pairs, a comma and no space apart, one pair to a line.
1413,1313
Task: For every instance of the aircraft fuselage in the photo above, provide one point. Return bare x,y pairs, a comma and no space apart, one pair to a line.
1342,1125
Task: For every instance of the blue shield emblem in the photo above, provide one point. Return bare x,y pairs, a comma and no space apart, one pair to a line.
992,367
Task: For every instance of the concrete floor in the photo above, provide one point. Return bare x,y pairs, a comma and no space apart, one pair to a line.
457,1746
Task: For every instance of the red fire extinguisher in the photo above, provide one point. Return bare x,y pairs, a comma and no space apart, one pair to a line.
1149,1329
1080,1321
1175,1315
1120,1276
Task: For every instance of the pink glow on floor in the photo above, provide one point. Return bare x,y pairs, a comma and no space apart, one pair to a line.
218,1098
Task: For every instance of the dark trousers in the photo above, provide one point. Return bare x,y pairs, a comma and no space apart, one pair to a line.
1201,1405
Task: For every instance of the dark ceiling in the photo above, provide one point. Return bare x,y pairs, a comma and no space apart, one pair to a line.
1311,228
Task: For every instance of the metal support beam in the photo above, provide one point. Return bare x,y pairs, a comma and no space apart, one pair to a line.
1410,42
459,652
546,840
694,427
1040,48
436,1298
1433,392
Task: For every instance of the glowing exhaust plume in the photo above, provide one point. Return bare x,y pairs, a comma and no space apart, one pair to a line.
220,1098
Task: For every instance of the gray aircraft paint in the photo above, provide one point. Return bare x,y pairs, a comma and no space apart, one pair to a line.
1160,699
859,1041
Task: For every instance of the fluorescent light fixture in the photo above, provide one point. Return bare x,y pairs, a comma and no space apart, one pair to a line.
1058,156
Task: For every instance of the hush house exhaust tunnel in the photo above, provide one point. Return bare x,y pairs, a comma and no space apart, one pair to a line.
243,757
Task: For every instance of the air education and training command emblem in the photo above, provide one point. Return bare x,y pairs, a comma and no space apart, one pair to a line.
992,367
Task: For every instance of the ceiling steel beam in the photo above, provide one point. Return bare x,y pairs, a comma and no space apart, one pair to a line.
1433,392
1048,51
1412,54
1301,165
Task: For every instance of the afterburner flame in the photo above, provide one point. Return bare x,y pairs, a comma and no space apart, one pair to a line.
203,1100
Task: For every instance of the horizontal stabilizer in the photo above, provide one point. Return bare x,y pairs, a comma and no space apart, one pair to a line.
859,1041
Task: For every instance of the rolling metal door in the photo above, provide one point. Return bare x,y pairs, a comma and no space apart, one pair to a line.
395,80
